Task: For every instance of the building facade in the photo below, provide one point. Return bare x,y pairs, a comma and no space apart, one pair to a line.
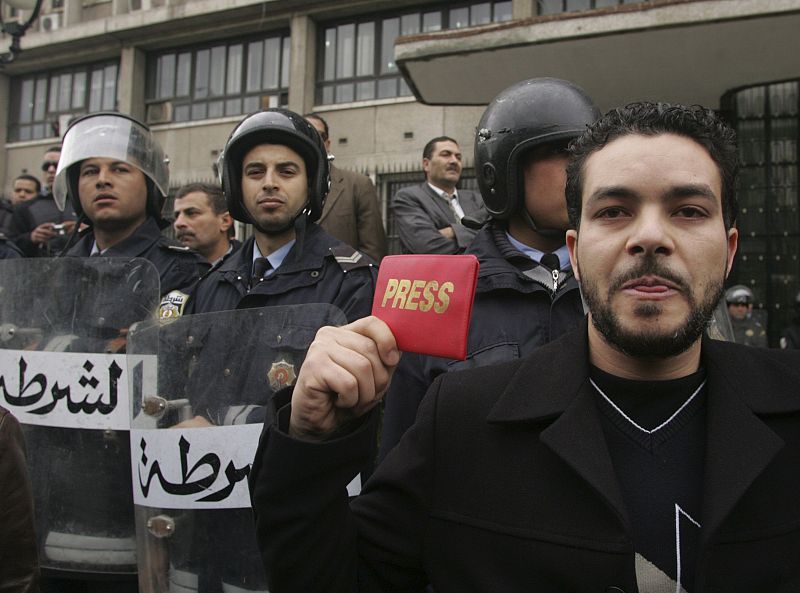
389,75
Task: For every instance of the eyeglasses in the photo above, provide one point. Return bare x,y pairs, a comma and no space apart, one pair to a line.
47,164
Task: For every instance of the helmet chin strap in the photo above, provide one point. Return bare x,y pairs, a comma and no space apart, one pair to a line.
526,216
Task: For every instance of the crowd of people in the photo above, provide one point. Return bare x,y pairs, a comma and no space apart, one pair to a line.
596,440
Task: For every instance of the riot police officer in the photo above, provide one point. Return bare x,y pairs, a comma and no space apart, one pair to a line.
526,293
275,176
116,177
747,329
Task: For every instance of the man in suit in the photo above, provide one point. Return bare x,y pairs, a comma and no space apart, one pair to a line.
429,216
633,454
351,212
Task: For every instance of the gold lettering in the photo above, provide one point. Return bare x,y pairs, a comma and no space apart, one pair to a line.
402,294
391,288
444,297
427,294
413,294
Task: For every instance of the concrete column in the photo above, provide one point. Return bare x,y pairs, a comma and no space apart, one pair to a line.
73,12
302,72
119,7
523,9
131,82
5,99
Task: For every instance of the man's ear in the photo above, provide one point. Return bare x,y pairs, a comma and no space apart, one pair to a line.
733,245
226,221
572,246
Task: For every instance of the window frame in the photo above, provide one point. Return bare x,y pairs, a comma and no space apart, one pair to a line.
44,118
194,107
326,90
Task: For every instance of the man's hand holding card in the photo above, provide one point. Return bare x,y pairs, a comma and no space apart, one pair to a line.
423,303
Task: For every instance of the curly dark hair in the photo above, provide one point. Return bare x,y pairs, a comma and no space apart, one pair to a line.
651,119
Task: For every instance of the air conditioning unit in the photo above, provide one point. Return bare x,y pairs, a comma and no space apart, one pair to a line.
159,113
50,22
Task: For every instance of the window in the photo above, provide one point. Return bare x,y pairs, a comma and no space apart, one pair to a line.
555,6
357,57
42,103
767,122
224,79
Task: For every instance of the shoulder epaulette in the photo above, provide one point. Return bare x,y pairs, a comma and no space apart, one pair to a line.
349,258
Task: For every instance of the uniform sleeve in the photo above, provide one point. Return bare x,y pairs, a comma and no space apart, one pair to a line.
417,230
356,293
312,540
371,234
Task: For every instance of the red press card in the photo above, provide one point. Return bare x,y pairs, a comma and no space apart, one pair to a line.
426,300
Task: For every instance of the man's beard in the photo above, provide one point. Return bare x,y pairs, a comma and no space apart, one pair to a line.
651,344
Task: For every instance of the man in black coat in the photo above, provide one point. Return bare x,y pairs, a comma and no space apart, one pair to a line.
39,227
630,455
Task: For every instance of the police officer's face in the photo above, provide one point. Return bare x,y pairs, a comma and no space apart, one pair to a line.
443,169
113,193
198,226
24,189
274,185
544,171
652,251
739,311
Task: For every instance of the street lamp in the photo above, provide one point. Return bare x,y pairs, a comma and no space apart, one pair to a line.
17,29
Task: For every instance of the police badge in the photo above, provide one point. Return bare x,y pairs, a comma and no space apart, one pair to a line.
172,305
281,375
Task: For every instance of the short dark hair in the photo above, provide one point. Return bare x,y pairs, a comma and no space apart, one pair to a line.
27,177
53,149
318,117
216,199
427,152
652,119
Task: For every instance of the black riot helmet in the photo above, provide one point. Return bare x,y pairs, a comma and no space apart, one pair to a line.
275,126
528,114
108,134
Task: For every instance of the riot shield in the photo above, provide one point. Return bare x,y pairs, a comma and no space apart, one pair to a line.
63,372
719,327
194,434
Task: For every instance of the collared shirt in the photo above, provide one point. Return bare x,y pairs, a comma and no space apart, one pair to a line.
96,250
562,252
276,258
219,259
452,200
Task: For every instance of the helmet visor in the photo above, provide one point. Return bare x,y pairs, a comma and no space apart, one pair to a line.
113,137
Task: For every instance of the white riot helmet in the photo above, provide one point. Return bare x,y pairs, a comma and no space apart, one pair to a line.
115,136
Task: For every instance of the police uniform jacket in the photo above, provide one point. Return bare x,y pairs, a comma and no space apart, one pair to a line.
32,213
178,267
505,483
318,269
420,214
515,311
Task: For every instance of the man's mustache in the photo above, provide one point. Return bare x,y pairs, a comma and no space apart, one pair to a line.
649,266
